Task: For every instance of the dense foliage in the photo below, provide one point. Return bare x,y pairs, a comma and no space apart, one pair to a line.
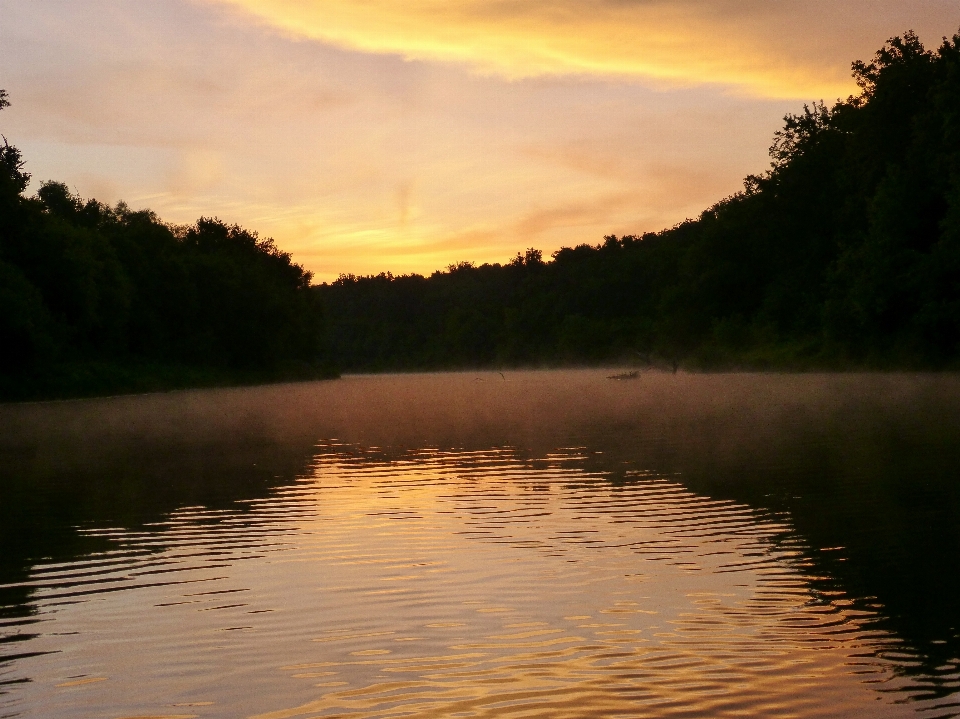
101,299
846,252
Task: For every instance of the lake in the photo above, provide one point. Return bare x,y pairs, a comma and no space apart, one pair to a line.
531,544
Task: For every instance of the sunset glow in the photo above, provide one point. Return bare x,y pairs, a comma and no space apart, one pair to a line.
405,136
676,42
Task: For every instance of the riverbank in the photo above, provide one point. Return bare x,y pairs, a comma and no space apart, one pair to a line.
102,379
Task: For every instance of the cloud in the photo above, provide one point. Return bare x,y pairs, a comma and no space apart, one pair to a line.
574,214
767,48
364,162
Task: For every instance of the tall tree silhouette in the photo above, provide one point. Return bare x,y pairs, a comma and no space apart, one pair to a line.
96,298
844,252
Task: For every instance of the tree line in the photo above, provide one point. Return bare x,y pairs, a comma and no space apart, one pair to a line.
844,253
97,299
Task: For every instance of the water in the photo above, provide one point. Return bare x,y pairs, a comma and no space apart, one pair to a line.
542,544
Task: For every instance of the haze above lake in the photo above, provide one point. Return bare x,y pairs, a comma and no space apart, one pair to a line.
482,545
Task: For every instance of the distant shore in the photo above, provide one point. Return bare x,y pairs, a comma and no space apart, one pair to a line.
104,379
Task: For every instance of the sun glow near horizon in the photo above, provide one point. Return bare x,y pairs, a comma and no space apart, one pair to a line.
407,136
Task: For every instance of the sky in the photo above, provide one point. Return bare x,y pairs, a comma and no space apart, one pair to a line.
368,136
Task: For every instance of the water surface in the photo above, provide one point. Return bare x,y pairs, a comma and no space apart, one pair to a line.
551,544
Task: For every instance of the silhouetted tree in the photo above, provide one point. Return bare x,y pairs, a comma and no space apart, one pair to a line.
96,298
846,251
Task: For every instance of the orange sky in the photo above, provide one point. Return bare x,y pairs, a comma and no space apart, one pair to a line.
405,135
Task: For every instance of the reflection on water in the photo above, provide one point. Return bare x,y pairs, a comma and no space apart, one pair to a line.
552,544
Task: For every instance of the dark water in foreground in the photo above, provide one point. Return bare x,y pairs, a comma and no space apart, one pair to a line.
550,544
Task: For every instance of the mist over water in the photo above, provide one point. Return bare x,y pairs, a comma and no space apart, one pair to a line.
534,544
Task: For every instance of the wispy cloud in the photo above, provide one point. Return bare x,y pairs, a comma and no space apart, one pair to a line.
358,160
763,47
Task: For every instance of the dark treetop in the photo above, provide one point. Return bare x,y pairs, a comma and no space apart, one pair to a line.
846,252
95,299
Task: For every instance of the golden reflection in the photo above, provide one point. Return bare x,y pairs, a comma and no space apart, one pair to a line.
82,682
506,553
558,582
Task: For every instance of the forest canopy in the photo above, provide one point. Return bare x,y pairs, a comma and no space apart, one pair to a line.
845,253
97,299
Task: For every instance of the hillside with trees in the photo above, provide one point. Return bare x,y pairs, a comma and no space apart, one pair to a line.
844,254
97,299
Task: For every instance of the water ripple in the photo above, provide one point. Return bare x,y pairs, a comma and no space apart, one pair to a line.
455,584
